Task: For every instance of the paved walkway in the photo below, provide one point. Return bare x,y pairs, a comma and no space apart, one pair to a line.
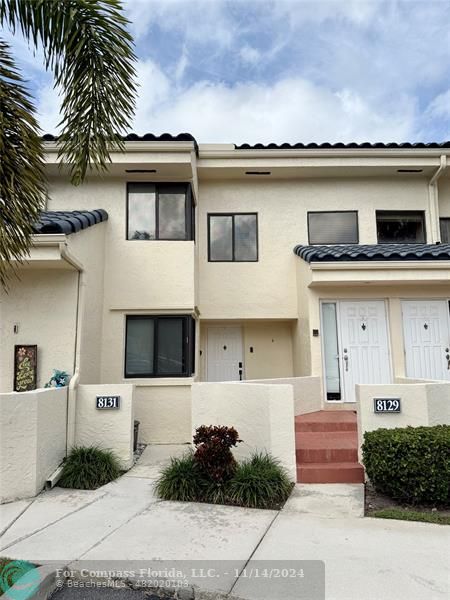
123,526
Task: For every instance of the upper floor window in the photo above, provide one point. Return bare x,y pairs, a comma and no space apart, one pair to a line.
339,227
160,211
159,346
233,237
401,227
445,230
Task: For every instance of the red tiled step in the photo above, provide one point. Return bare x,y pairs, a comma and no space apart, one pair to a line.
338,472
332,446
329,420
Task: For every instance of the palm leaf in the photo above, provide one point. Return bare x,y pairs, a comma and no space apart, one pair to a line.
21,166
88,47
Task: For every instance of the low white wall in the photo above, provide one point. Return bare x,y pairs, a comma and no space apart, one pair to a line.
307,392
32,440
164,412
422,404
263,414
107,428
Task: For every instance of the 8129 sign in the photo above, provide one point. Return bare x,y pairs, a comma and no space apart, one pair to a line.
107,402
386,405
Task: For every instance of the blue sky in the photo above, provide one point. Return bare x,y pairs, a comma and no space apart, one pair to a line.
284,70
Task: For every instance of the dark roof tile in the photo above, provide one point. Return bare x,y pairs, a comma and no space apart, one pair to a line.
341,145
62,221
379,252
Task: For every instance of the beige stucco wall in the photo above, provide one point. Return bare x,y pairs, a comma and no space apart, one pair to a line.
109,429
164,411
262,414
307,392
43,303
32,440
422,404
241,290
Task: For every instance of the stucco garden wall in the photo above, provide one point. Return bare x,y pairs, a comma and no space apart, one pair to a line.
422,404
263,414
109,429
307,392
32,440
43,303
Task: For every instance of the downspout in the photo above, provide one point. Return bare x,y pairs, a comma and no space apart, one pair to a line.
73,385
433,197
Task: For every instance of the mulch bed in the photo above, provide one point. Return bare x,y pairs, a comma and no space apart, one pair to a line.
375,501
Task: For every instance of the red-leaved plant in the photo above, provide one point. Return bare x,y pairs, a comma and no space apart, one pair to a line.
213,454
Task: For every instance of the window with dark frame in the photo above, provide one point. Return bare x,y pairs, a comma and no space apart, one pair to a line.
445,230
160,211
159,346
333,227
401,227
233,237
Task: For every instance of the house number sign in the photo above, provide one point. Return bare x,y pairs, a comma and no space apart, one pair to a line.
386,405
107,402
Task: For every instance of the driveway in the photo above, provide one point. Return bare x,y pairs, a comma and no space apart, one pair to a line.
318,546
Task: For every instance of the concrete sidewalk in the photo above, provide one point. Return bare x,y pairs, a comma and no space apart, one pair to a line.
123,524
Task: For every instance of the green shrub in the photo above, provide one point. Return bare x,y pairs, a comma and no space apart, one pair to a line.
182,480
260,482
88,468
410,464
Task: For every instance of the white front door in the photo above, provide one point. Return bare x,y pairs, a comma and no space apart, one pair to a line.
426,330
224,354
364,347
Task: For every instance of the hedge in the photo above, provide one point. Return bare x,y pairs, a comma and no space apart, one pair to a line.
411,464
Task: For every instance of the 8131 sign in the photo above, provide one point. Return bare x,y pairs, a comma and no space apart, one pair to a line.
107,402
386,405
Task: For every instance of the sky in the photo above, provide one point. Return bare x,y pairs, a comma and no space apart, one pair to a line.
282,70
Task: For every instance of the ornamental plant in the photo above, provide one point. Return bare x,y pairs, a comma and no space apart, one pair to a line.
213,454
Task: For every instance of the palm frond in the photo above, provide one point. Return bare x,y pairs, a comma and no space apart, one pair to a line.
22,186
88,47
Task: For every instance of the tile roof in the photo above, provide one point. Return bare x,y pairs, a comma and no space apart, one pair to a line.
380,252
68,222
188,137
146,137
342,145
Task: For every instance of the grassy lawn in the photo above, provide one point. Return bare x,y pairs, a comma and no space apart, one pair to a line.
411,515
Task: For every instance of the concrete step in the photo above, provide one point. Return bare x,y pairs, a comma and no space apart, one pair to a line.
329,420
338,472
323,447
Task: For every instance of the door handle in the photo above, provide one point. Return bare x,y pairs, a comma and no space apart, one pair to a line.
346,362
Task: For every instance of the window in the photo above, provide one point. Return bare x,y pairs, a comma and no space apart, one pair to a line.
333,227
159,211
445,230
331,351
233,237
406,227
162,346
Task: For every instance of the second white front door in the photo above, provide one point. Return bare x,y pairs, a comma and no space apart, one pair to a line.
426,330
364,346
224,354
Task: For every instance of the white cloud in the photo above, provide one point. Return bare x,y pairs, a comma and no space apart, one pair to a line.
292,109
440,106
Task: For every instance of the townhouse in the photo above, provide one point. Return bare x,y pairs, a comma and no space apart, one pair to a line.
215,262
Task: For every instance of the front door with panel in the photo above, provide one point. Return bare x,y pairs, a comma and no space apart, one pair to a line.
426,330
364,345
356,348
224,354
